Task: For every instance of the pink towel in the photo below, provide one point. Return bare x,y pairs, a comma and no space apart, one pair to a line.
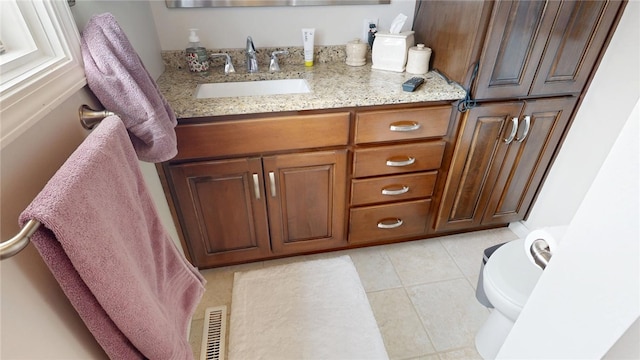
103,241
120,81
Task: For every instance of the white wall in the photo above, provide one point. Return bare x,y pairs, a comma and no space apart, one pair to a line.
606,106
627,347
272,26
589,294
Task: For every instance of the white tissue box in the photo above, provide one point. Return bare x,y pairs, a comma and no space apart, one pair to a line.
390,50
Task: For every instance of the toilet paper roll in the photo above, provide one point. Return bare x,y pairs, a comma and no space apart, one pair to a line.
551,235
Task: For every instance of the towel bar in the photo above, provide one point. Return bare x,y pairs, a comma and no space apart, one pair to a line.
15,244
89,118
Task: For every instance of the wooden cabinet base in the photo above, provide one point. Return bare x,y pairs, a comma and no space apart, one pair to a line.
220,215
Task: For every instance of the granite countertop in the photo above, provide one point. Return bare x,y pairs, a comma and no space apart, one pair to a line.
333,85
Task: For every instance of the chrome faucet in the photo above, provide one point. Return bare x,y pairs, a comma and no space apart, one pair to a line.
252,61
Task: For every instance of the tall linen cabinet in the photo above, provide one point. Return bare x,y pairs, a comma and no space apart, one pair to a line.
527,65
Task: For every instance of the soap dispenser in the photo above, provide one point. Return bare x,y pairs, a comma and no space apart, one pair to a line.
197,58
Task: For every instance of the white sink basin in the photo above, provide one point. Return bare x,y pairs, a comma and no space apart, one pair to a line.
252,88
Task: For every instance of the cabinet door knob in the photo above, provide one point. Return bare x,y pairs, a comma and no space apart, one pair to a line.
383,224
403,190
527,124
409,161
256,186
272,183
514,130
404,126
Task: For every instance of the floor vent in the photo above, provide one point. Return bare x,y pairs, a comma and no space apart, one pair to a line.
213,333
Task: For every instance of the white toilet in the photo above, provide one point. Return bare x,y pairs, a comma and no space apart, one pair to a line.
508,279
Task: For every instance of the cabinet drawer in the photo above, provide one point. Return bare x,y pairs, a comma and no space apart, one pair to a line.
392,188
397,159
382,222
392,125
227,138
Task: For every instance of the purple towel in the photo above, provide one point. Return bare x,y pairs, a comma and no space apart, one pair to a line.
120,81
104,243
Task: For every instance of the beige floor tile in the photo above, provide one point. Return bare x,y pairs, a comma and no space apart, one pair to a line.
420,262
195,337
310,257
468,353
467,249
449,311
403,333
218,290
284,260
219,286
426,357
446,315
375,269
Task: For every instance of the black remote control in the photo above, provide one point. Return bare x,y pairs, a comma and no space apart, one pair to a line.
412,84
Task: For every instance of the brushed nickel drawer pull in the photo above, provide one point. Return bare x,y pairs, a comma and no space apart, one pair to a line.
256,186
272,183
409,161
527,125
403,190
514,130
383,225
404,126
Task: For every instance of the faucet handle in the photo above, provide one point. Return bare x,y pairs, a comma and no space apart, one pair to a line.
228,65
273,64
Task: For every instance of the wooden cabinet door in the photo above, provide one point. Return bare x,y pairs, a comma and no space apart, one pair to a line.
475,165
513,48
577,37
527,159
538,48
306,195
222,209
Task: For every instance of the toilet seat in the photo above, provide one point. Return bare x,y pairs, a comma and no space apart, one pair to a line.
509,278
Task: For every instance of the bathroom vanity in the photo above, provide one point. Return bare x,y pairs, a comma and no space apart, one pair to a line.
357,161
338,167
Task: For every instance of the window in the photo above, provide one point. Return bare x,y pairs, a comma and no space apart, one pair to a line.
41,65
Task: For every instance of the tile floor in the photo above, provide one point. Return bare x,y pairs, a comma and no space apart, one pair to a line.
422,293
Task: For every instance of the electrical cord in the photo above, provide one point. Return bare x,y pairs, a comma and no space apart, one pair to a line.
467,103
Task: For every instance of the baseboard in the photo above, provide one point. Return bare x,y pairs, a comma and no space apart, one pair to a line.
519,229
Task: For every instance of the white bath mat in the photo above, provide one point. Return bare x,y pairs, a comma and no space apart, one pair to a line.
306,310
